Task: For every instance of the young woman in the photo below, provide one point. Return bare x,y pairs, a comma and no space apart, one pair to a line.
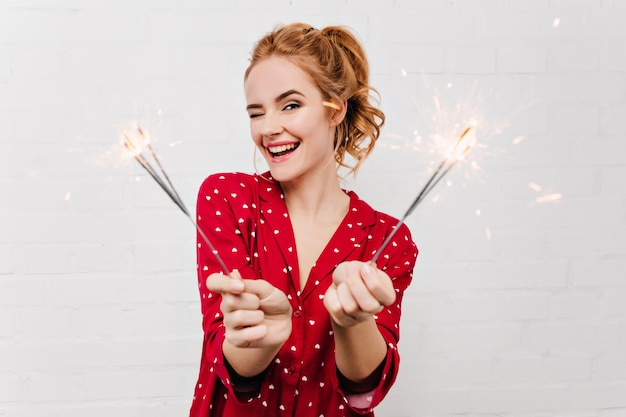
304,325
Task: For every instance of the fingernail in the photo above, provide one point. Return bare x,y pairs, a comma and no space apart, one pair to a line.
366,270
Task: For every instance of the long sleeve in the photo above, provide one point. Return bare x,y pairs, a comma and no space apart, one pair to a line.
228,228
398,261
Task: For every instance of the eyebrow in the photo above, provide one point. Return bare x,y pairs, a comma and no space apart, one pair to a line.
280,97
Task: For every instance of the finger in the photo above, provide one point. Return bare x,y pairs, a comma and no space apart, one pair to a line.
235,274
271,300
226,284
342,272
240,319
378,284
351,306
346,300
335,309
246,337
259,287
233,302
332,303
361,294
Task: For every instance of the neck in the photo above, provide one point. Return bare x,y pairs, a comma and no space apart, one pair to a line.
315,196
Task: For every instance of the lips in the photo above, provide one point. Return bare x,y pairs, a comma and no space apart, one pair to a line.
281,150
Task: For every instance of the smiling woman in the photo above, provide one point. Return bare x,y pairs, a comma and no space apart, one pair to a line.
305,324
291,127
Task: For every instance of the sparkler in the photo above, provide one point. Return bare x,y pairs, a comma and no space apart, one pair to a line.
166,185
460,149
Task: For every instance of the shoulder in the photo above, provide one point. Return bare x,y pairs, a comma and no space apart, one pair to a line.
229,179
388,223
401,251
229,183
382,223
371,216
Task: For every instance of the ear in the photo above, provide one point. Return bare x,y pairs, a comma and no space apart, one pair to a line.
339,112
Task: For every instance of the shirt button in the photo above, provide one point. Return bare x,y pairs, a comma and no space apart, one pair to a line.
290,369
297,313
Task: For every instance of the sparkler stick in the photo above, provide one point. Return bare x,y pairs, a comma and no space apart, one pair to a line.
444,167
158,161
155,176
167,186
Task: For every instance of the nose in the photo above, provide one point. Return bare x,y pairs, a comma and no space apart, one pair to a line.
271,125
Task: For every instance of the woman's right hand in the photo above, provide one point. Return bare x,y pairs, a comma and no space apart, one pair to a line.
256,314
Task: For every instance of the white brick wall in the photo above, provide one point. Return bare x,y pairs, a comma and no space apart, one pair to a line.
518,307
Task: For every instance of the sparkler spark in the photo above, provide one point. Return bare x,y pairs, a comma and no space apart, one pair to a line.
549,198
135,149
546,198
535,187
457,153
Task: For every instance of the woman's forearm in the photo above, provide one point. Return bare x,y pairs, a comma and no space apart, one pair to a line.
359,351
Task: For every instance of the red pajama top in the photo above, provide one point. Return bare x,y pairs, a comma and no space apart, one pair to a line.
245,218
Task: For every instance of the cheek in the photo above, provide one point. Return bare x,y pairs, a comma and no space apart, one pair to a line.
307,126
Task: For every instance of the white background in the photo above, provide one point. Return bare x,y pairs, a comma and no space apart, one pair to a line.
518,306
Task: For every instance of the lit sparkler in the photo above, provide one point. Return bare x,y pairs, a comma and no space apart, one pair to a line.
460,149
163,180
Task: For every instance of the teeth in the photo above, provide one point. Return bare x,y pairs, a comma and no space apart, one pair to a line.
281,148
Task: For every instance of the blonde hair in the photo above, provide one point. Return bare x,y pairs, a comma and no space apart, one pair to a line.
336,61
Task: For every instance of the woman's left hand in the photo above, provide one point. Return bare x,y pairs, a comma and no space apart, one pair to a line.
359,290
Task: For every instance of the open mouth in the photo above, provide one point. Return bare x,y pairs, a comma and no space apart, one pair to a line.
281,150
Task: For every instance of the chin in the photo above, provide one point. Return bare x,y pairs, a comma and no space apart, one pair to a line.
280,175
283,174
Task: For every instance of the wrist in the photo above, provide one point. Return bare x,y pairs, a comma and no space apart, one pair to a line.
248,362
